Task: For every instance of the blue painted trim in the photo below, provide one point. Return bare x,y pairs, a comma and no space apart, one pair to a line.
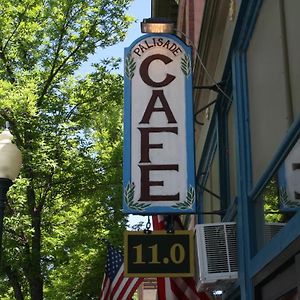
280,242
231,212
246,24
165,35
285,147
247,17
190,137
222,107
153,210
217,127
127,131
244,176
190,144
248,14
292,229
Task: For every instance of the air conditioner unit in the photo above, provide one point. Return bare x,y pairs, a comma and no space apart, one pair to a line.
216,255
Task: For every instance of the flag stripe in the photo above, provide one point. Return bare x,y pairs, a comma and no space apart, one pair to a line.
118,281
122,288
161,289
177,291
128,291
176,288
105,287
114,285
136,285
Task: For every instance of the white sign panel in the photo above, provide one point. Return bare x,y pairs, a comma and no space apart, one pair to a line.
158,168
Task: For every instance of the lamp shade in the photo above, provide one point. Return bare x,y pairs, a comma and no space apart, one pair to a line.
157,25
10,157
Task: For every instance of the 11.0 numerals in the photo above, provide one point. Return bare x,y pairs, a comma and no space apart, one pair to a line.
176,254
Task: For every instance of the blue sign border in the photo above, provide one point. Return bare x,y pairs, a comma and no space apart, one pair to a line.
190,145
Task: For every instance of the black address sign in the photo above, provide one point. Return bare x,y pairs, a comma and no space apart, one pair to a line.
159,254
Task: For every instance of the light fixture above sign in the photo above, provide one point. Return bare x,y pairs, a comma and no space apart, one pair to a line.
157,25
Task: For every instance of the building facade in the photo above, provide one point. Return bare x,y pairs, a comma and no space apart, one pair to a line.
247,125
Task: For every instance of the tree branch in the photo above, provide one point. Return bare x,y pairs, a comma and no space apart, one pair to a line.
14,280
16,28
54,73
7,66
56,56
4,46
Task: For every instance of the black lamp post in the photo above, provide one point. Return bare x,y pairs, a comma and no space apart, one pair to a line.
10,166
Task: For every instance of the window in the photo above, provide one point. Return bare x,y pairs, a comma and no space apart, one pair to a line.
273,60
217,173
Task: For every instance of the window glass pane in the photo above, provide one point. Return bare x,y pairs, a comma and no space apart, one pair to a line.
267,87
291,10
212,191
280,198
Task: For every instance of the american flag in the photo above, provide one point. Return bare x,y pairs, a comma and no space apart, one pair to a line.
115,286
176,288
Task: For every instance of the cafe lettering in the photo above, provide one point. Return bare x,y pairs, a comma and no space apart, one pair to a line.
158,159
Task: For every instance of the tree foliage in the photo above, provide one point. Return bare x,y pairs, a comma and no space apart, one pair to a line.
68,128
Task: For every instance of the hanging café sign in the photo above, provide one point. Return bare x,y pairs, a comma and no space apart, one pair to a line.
158,164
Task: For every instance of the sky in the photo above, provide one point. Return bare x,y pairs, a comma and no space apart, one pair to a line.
139,9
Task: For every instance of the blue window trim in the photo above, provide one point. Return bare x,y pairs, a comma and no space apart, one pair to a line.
247,17
250,265
285,147
244,174
236,63
223,107
216,143
292,229
249,262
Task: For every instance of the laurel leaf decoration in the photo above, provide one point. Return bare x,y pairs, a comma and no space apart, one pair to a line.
190,200
129,195
186,65
130,66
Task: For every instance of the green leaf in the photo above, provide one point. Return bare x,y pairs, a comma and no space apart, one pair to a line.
188,203
186,65
130,66
66,118
128,197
